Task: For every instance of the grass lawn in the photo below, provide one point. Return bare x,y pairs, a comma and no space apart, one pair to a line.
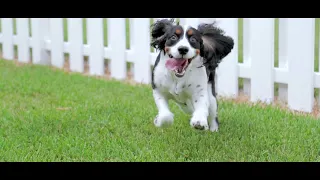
48,115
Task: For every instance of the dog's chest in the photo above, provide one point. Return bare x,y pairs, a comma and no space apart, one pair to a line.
178,90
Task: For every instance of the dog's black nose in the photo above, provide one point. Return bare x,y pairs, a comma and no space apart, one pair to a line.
183,50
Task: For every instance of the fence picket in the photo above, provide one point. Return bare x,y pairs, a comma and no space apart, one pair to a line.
283,59
211,20
191,22
117,42
246,53
262,56
23,39
301,60
7,37
75,35
40,33
227,74
95,40
141,48
56,33
131,42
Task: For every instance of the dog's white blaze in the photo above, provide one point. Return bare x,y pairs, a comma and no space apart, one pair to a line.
183,42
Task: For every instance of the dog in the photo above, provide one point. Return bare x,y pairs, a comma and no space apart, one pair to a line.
185,71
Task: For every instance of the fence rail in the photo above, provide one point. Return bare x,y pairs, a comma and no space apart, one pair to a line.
267,51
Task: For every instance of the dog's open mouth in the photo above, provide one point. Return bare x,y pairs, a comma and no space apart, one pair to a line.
178,65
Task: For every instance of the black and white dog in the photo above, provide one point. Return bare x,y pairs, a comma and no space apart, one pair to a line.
184,71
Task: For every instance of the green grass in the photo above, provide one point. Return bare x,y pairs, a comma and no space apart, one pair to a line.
102,120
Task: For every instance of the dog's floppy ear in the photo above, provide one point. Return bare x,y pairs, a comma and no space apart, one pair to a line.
215,44
159,31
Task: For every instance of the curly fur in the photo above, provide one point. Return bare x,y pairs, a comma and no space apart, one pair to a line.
159,33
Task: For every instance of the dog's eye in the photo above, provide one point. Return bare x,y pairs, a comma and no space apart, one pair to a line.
174,37
192,39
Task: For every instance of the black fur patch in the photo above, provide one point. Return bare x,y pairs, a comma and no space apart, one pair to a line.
159,33
217,121
152,74
212,81
194,39
172,37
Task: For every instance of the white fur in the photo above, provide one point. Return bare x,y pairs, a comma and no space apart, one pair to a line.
192,93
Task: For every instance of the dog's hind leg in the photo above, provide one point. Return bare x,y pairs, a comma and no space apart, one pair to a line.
213,109
165,116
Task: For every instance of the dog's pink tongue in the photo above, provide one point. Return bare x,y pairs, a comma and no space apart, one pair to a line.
173,64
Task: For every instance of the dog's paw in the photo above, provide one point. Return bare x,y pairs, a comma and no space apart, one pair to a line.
214,126
199,123
163,120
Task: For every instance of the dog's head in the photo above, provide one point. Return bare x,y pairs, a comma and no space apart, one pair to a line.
183,44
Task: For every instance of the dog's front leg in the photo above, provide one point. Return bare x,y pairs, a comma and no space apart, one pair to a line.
165,116
200,102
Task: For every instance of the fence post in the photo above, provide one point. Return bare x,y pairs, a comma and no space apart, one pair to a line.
7,35
40,34
301,63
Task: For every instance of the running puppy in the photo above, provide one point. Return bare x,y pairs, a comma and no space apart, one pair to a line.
184,71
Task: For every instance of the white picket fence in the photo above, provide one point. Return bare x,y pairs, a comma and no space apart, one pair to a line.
295,73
